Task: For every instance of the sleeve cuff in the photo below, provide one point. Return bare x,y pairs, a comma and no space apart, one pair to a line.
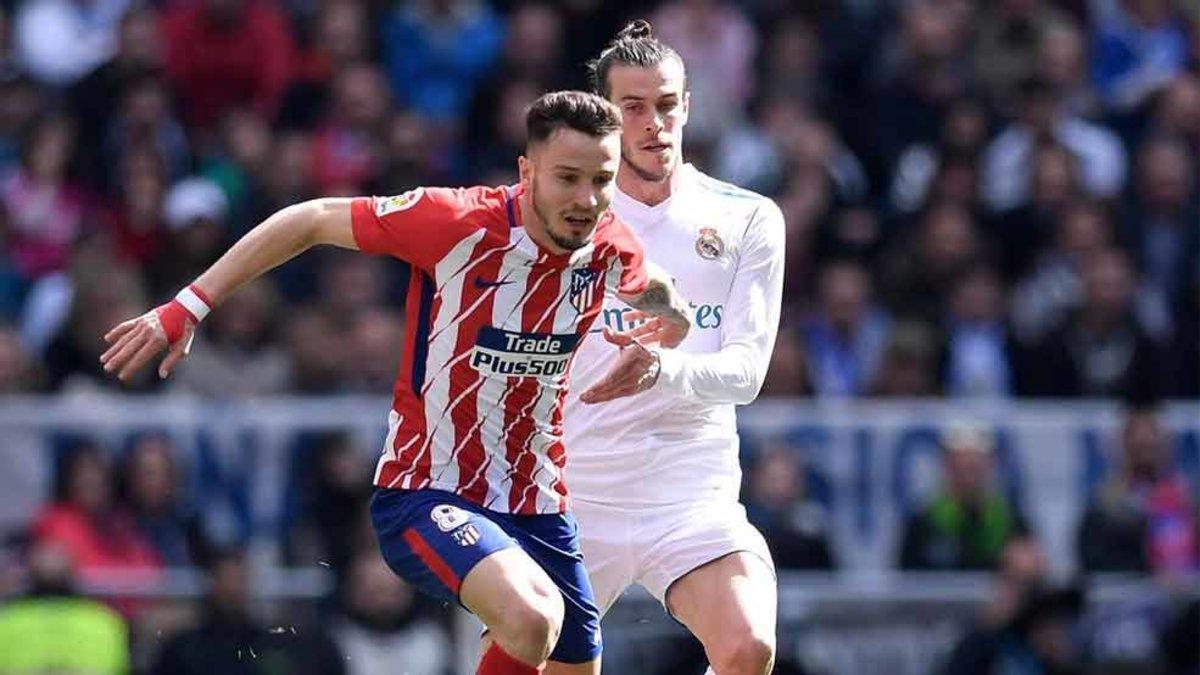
672,373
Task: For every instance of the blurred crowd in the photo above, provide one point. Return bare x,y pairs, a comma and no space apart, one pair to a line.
984,199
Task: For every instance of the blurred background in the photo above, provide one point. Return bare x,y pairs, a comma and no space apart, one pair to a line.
978,450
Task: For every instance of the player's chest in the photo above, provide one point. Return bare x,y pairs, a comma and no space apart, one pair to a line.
699,253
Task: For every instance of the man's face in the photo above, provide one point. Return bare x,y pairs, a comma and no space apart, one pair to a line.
569,178
654,110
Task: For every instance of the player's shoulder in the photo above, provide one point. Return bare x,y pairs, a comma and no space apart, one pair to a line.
717,196
613,230
465,207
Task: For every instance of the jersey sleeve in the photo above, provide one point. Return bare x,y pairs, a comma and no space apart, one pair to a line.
735,373
631,260
419,226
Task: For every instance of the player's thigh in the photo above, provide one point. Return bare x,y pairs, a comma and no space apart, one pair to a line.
453,550
508,587
552,541
610,560
726,601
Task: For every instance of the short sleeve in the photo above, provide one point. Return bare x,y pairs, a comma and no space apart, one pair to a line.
631,259
419,226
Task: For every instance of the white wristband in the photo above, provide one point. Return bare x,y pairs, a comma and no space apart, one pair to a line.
194,304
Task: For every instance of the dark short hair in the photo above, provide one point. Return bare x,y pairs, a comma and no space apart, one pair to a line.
635,45
578,110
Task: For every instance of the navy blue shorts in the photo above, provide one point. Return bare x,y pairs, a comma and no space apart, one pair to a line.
433,538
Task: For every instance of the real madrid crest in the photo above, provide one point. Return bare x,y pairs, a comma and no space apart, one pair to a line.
709,245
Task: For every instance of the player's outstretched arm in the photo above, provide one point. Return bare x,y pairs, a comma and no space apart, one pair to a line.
281,237
666,310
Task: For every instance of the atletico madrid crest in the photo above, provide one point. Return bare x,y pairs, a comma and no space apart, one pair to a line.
583,288
466,535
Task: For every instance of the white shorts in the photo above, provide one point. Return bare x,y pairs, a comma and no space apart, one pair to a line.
657,546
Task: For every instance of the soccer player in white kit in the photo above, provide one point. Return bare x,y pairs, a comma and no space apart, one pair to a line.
655,476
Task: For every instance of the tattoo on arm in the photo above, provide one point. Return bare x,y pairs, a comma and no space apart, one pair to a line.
656,299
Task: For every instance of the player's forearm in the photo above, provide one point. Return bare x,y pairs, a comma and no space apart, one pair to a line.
660,298
284,235
732,375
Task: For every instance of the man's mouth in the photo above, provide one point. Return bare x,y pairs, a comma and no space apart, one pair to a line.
578,220
657,147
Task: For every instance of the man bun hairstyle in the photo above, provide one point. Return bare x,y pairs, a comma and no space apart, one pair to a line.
578,110
635,45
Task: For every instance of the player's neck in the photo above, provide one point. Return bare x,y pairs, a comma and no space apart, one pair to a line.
648,192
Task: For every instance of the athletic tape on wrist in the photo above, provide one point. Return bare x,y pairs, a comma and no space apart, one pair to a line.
195,302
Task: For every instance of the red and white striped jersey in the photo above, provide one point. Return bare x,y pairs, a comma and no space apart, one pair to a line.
493,323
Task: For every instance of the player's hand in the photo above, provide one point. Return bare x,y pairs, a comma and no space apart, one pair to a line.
136,342
655,329
635,371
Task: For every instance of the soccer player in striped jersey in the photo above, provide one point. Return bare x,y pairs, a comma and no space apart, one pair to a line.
470,503
655,478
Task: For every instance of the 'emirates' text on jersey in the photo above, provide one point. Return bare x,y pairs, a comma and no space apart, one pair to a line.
493,322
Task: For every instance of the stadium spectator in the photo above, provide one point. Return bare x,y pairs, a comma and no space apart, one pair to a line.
382,627
1021,232
46,209
95,99
1039,639
1006,47
1138,46
1053,287
230,640
533,52
374,336
1144,519
920,73
779,503
340,36
1062,63
1042,115
845,338
1103,348
238,356
922,265
196,212
18,371
225,54
144,118
96,295
332,523
59,41
924,170
1159,227
788,373
968,522
908,367
436,52
346,147
1178,111
83,520
979,349
133,218
240,163
51,628
148,489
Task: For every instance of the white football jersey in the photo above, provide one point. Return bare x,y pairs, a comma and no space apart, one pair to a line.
677,442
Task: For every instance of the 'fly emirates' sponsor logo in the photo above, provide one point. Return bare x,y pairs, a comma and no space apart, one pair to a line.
502,352
703,317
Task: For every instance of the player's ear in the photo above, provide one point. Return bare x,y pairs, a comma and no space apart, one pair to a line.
525,170
687,105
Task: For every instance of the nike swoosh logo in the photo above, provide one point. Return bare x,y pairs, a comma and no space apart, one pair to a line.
480,282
